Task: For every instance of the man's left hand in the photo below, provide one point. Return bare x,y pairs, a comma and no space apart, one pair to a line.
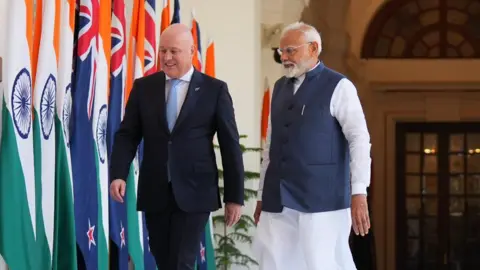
360,216
233,212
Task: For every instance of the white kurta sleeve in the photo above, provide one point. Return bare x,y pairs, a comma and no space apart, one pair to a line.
346,108
265,160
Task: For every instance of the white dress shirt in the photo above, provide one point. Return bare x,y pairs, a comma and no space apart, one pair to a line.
345,106
182,88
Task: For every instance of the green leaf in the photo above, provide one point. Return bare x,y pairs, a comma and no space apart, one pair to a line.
251,175
226,252
249,194
253,149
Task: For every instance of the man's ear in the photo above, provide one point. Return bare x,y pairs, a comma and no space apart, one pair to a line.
193,49
314,48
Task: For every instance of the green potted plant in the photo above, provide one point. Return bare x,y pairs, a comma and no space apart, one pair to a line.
227,253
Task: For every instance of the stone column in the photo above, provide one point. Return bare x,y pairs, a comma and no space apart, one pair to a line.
330,17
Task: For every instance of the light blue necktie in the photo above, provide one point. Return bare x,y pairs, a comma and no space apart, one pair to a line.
172,103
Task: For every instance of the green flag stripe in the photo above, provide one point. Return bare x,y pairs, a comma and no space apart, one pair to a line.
134,242
64,246
44,255
16,232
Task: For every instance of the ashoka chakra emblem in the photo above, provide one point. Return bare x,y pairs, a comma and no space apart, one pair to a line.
66,111
21,102
47,106
101,133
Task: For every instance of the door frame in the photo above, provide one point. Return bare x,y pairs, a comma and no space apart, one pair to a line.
388,108
442,130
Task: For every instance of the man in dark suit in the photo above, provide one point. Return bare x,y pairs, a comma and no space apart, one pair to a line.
177,112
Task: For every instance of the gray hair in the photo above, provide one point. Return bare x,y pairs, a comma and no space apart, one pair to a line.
310,33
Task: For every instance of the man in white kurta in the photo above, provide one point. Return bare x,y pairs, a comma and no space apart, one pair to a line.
316,164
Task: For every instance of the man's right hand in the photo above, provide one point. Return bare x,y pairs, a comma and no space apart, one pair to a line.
117,190
258,210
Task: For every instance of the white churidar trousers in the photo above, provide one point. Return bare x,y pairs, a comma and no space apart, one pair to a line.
293,240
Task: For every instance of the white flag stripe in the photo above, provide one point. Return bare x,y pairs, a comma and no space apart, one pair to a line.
100,117
64,97
18,91
44,103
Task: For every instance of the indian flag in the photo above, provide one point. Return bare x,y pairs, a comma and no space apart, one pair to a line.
100,117
206,256
65,245
45,87
164,23
17,178
135,69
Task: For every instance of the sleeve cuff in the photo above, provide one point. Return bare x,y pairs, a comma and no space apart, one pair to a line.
359,189
259,195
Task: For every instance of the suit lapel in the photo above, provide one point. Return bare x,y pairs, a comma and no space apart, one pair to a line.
193,92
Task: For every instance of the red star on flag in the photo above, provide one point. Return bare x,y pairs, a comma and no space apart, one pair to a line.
122,236
202,252
91,238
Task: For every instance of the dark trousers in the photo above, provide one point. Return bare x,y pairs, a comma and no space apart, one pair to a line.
174,236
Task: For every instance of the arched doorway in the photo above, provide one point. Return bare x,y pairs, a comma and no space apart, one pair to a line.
426,229
425,29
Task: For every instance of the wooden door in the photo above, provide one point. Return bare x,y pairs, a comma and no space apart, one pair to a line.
438,196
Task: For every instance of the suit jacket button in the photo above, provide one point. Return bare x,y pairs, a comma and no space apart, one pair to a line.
169,142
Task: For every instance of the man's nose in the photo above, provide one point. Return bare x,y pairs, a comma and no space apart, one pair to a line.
167,56
284,57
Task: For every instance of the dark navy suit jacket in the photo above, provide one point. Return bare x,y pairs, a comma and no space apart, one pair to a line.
188,150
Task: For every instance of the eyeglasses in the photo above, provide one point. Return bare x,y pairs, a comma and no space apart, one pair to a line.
291,50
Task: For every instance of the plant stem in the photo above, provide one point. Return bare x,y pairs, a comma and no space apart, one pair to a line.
224,248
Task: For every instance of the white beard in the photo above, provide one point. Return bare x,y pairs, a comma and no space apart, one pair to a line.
291,72
296,71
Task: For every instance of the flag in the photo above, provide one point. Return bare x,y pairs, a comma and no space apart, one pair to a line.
206,255
44,96
164,23
197,55
210,59
82,143
149,68
265,112
99,127
118,72
17,178
176,12
64,246
149,55
135,69
150,38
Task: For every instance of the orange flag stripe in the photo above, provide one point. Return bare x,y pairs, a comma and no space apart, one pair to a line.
56,30
30,24
37,36
265,111
165,16
210,59
165,22
137,39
